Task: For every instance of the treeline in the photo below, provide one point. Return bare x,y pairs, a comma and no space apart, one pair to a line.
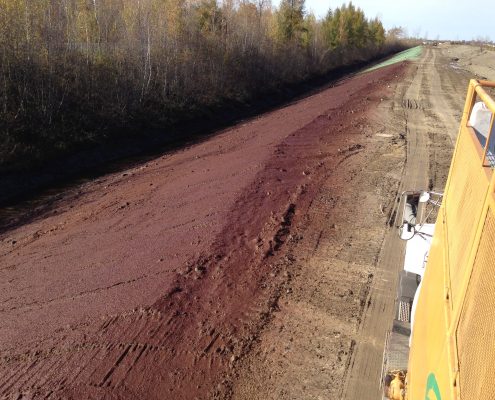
76,72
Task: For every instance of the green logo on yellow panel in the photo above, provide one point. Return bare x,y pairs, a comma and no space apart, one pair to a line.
432,389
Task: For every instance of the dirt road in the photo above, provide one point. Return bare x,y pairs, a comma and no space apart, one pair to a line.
427,107
252,265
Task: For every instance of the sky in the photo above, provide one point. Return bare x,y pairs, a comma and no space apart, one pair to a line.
433,19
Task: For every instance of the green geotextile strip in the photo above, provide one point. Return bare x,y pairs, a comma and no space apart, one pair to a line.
409,54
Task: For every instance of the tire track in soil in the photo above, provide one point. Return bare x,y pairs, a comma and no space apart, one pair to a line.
430,134
306,350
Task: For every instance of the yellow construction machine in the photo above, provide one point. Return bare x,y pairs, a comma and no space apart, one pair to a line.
442,344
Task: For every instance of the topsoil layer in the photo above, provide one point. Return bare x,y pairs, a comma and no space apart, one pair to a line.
155,282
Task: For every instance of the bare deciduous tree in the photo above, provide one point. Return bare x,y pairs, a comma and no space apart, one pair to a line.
75,72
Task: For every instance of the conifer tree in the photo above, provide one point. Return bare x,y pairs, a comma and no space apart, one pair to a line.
290,18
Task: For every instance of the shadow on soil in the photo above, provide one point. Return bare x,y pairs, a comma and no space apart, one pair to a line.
28,195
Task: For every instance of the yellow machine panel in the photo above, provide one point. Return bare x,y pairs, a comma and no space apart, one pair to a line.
452,354
475,332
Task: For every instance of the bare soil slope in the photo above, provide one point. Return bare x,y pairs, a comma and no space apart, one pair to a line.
256,265
159,281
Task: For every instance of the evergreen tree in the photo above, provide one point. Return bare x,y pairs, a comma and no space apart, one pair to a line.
290,18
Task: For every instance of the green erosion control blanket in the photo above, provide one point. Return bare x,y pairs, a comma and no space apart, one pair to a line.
409,54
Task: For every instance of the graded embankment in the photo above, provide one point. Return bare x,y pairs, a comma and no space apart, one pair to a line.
157,282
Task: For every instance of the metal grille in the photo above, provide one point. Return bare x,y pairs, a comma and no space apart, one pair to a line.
466,190
475,332
490,158
404,311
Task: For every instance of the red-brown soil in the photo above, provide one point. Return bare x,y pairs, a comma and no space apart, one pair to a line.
155,282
